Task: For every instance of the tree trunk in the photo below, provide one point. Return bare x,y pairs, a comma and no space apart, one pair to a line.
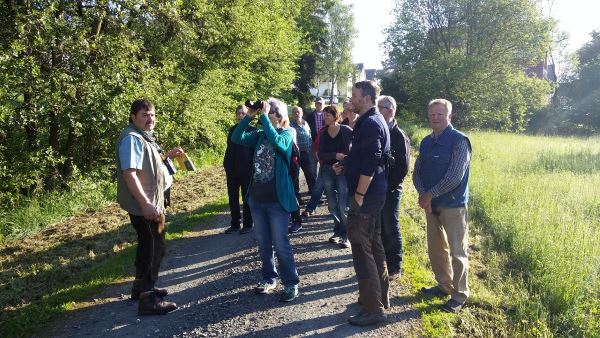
30,125
67,167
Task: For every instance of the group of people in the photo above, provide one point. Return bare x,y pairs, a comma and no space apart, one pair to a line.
359,163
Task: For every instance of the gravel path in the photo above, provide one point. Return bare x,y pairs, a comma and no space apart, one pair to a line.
210,275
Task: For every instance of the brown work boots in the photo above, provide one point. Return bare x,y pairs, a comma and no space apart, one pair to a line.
152,304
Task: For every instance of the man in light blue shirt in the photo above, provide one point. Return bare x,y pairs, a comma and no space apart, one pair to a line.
143,182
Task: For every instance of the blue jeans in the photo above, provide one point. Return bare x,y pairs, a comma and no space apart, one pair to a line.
317,192
336,191
271,229
391,236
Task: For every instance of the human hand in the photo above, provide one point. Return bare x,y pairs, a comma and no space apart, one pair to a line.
149,211
425,201
338,168
340,156
359,199
265,108
175,152
251,113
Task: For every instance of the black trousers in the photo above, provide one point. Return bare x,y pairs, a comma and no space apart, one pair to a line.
150,250
234,184
308,164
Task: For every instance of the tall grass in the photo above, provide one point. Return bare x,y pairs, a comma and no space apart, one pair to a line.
539,197
34,214
91,193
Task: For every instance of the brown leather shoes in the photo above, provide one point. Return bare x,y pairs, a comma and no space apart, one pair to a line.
151,304
366,319
135,293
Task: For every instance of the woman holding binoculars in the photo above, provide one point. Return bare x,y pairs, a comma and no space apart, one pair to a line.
271,193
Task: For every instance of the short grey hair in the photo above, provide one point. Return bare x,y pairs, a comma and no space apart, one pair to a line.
443,102
388,99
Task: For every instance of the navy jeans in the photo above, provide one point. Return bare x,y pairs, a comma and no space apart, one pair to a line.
336,191
271,229
391,235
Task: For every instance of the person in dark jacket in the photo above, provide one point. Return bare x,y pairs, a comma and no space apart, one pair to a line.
366,175
316,119
334,145
238,170
391,235
441,177
316,122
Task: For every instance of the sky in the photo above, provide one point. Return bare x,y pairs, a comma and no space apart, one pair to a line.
576,17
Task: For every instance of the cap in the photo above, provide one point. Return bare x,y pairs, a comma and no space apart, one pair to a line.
319,99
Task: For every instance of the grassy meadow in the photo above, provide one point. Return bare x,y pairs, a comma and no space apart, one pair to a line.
538,199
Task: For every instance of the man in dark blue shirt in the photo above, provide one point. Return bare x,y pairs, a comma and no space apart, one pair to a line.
367,185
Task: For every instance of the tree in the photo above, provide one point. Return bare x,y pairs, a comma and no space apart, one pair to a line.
335,62
314,31
473,53
576,105
69,70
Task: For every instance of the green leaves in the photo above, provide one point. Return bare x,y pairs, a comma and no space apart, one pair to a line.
70,69
473,53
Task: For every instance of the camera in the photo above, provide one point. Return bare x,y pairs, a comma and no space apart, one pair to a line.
254,105
170,167
388,159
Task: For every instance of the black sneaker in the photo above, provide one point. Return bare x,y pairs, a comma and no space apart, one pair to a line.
453,306
245,230
231,230
295,227
335,239
435,291
307,213
289,294
344,244
365,319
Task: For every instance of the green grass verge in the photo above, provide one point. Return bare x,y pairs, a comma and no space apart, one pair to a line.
35,214
534,246
33,318
417,272
85,194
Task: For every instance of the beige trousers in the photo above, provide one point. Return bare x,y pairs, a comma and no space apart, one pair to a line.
447,243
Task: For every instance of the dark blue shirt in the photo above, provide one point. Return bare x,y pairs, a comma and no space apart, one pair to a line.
370,139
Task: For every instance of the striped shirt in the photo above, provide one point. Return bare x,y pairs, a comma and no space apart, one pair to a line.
319,119
459,163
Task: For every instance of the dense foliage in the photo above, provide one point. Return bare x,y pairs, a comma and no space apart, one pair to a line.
473,53
575,108
69,70
312,24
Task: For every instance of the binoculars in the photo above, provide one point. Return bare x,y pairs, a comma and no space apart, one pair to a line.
254,105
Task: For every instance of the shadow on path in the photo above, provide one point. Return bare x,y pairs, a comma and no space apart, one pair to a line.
211,277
